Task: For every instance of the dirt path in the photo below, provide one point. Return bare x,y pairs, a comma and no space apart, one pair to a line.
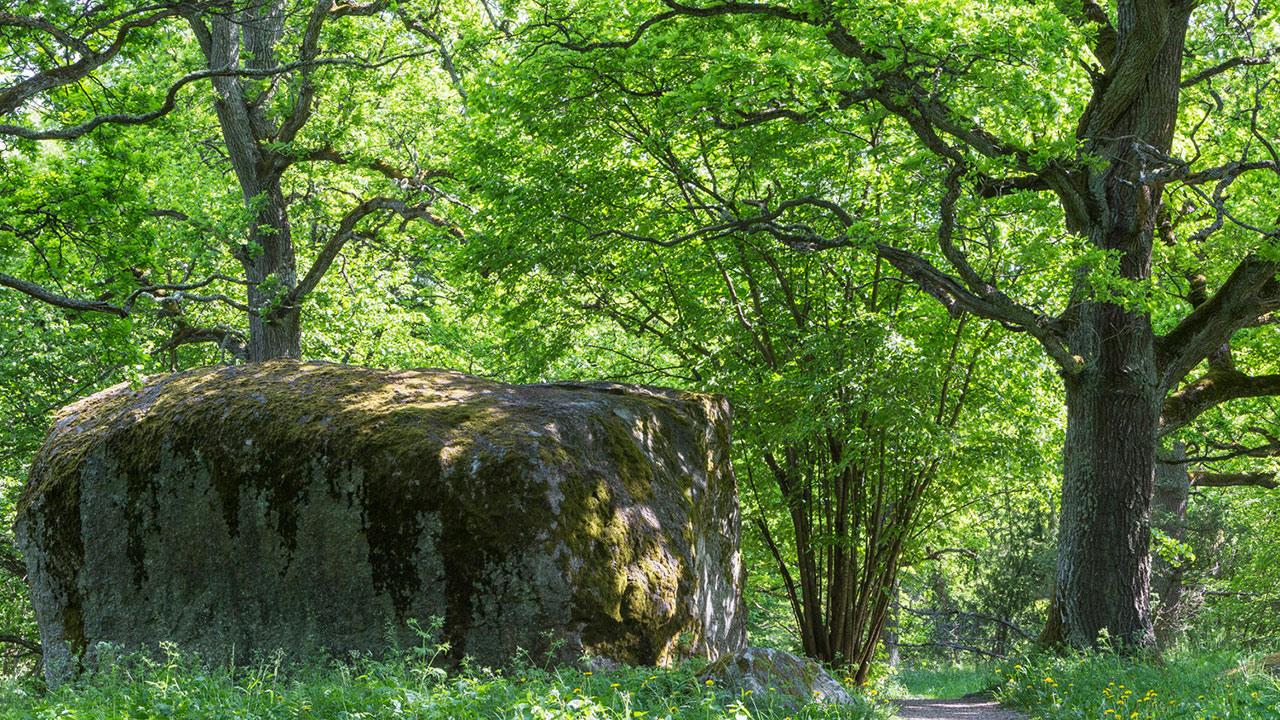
963,709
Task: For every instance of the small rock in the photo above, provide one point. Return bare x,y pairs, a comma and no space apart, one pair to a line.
769,673
1271,664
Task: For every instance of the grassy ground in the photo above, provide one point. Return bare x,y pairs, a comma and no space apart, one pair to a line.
942,681
404,688
1187,685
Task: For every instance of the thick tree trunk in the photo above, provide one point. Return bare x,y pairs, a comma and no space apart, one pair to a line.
1114,402
268,256
1104,566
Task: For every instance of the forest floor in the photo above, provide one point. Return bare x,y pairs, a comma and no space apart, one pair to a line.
963,709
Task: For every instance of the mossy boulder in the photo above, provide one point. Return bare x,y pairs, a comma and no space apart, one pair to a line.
305,506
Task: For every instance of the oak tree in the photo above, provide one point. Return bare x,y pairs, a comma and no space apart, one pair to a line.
1102,172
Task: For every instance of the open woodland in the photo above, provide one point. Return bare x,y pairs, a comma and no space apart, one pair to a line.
992,286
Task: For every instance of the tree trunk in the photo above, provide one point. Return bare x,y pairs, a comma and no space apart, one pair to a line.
1113,409
268,255
1173,488
890,633
1114,402
274,327
1112,413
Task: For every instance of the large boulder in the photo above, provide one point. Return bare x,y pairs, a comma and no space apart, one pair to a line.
305,506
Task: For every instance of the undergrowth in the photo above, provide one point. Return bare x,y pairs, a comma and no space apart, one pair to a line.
409,686
1186,685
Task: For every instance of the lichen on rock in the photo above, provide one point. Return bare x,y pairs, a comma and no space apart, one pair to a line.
288,505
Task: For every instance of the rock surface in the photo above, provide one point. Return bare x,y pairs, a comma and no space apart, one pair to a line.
778,676
305,506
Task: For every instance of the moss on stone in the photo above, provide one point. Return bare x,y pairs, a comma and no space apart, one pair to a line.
477,454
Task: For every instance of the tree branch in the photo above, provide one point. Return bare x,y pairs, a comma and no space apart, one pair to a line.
1267,480
416,180
1214,388
51,298
13,566
347,230
420,24
14,96
227,339
1235,62
171,97
1250,292
31,646
970,292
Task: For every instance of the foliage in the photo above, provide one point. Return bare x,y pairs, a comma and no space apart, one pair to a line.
1190,684
1237,556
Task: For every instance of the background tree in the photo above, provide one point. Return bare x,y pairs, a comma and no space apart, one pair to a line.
292,85
1079,133
850,433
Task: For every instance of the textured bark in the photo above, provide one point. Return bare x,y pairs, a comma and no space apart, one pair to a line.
268,256
1108,472
1114,402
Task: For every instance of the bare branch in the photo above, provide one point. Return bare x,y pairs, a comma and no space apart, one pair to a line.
347,230
415,180
953,294
14,96
30,646
181,292
1228,172
171,97
676,10
954,646
970,292
1250,292
226,338
421,25
1214,388
49,297
1267,480
1235,62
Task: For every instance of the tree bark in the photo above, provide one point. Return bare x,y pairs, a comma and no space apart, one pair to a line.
268,256
1114,401
275,326
1113,410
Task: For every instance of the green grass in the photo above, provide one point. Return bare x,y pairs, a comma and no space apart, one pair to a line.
407,687
1187,686
943,681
